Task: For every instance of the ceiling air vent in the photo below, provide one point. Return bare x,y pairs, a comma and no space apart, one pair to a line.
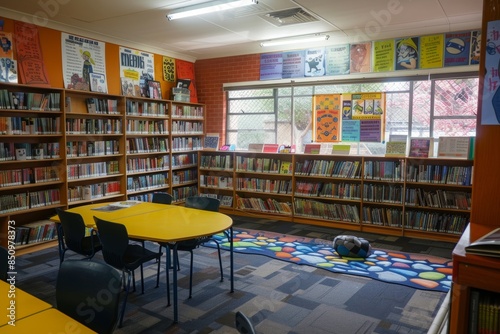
288,17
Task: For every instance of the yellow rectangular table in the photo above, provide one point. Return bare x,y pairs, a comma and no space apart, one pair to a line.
24,304
165,224
48,321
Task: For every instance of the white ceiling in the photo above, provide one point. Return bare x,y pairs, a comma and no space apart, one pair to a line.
142,23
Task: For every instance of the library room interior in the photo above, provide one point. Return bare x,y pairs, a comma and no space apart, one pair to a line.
244,166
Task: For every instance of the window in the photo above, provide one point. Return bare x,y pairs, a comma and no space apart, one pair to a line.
416,108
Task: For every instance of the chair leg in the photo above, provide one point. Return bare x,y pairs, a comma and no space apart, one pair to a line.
158,272
191,275
220,263
127,289
142,280
167,268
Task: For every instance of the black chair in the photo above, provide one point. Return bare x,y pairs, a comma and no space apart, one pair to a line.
201,203
72,236
119,253
79,282
243,324
4,265
162,198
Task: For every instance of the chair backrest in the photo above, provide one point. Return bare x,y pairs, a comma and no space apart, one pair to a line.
114,240
243,324
73,228
202,203
89,292
162,198
4,267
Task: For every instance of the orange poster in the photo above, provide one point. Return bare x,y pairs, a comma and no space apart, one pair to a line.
326,118
185,70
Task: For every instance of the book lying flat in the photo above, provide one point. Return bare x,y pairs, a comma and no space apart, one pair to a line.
487,245
116,206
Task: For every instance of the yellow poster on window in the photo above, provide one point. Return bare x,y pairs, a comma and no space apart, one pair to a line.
326,118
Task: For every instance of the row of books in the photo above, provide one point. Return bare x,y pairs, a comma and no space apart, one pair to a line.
92,169
179,194
392,217
93,191
16,177
218,162
28,200
225,200
147,182
187,144
383,193
147,145
459,175
269,205
135,165
184,176
93,126
187,111
146,108
261,165
342,190
97,105
142,126
35,232
435,221
18,125
90,148
264,185
438,198
329,211
30,101
329,168
484,312
216,181
184,160
28,151
383,170
187,127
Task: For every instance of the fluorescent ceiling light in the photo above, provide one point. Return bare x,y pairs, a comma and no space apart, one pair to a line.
296,40
208,7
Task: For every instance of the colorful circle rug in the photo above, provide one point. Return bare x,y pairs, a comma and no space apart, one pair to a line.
419,271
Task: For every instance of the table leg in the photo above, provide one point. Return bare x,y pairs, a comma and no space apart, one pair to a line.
176,315
231,257
167,250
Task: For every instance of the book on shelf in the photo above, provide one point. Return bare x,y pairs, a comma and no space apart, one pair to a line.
341,149
98,83
395,149
456,147
312,148
487,245
421,147
286,167
211,142
255,147
270,148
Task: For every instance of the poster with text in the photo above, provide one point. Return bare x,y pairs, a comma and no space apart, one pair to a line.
80,57
136,69
431,51
490,112
314,62
351,130
326,120
457,48
271,66
383,56
475,50
337,59
369,109
293,64
407,53
360,56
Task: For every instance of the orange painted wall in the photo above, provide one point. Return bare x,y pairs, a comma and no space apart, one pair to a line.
50,41
211,74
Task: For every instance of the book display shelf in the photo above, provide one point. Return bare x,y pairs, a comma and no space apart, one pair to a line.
65,148
417,197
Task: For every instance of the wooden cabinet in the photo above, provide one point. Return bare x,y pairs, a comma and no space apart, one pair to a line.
423,198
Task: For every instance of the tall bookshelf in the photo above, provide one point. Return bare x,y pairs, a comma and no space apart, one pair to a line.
32,165
422,198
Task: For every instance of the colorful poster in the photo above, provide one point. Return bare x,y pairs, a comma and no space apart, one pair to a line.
457,48
293,64
351,130
314,62
369,109
337,59
30,64
370,130
346,110
271,66
136,69
490,111
6,50
383,56
431,51
185,70
169,69
475,50
407,53
360,55
326,118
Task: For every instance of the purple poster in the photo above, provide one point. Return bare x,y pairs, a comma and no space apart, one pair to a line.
271,66
293,64
370,130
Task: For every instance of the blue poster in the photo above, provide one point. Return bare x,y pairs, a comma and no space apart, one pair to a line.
315,62
457,48
293,64
351,130
490,112
271,66
407,53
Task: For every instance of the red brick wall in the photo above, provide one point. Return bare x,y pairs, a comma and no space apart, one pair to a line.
211,74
